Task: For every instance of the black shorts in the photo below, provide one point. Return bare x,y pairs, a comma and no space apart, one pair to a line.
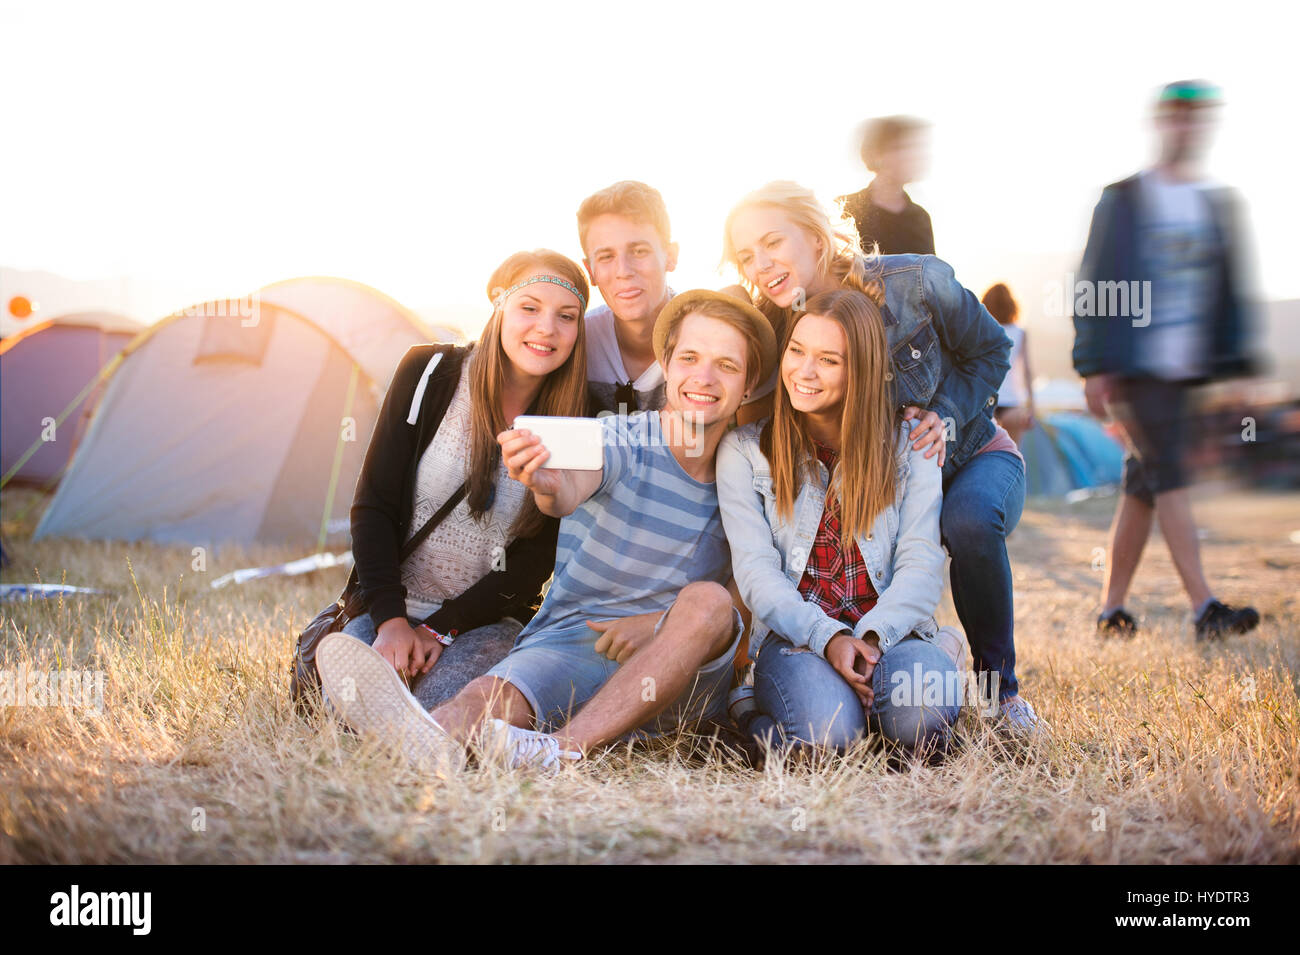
1153,414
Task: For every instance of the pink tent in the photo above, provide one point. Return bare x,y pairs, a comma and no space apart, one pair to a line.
46,370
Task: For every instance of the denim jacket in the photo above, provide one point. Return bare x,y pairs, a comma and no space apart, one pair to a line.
949,354
768,554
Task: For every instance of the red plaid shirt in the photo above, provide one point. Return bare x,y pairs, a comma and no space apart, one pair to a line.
836,579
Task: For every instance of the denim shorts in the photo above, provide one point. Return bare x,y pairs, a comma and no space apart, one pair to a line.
558,670
1153,415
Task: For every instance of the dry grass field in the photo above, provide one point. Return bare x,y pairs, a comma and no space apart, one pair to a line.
1163,750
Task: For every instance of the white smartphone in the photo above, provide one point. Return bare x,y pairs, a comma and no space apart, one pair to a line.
574,443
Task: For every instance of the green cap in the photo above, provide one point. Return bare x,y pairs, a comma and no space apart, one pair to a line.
1192,92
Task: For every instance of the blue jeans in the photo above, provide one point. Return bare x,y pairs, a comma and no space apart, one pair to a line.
471,655
981,506
803,702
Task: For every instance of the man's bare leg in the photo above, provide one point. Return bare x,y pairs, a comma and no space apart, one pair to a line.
700,626
1128,538
1174,512
483,699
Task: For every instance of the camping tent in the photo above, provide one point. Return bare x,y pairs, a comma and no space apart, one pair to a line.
49,370
241,420
371,327
1065,452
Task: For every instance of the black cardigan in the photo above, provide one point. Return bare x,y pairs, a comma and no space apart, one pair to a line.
385,499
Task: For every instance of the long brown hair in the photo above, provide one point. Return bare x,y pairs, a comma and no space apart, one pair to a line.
1001,304
865,481
841,257
564,392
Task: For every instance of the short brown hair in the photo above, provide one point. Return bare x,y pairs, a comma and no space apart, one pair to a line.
630,199
883,134
729,315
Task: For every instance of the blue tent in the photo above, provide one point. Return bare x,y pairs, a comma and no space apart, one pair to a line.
1065,452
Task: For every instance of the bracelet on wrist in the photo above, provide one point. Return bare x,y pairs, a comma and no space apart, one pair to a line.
446,639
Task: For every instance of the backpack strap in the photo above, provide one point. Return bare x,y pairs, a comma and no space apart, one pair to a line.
414,413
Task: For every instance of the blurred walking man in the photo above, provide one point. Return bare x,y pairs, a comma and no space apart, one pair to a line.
1160,307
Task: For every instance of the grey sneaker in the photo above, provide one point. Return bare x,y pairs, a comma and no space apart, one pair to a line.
1018,717
527,749
741,704
365,690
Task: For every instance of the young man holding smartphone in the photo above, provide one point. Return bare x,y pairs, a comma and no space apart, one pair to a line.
639,629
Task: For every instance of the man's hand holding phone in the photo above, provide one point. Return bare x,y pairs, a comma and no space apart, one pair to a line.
524,454
559,459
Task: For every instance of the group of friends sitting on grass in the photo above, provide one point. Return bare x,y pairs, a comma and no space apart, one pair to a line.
760,551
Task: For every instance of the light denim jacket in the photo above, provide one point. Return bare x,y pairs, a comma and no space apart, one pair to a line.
768,555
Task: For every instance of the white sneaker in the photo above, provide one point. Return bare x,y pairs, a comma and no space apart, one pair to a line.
1019,718
366,691
527,749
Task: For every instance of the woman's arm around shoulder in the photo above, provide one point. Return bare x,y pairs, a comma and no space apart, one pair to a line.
978,348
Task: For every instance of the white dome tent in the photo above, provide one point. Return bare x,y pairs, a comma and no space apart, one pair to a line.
216,427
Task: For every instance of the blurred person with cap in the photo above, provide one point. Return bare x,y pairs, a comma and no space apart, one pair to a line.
893,149
1169,236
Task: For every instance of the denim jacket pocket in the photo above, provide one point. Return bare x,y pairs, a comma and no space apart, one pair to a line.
916,362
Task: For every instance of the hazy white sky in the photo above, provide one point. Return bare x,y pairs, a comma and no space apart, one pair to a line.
222,146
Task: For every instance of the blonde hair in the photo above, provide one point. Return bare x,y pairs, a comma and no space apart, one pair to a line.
841,256
629,199
564,392
865,480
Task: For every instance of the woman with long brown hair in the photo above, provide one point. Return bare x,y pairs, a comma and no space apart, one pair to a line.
833,522
460,599
1015,408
